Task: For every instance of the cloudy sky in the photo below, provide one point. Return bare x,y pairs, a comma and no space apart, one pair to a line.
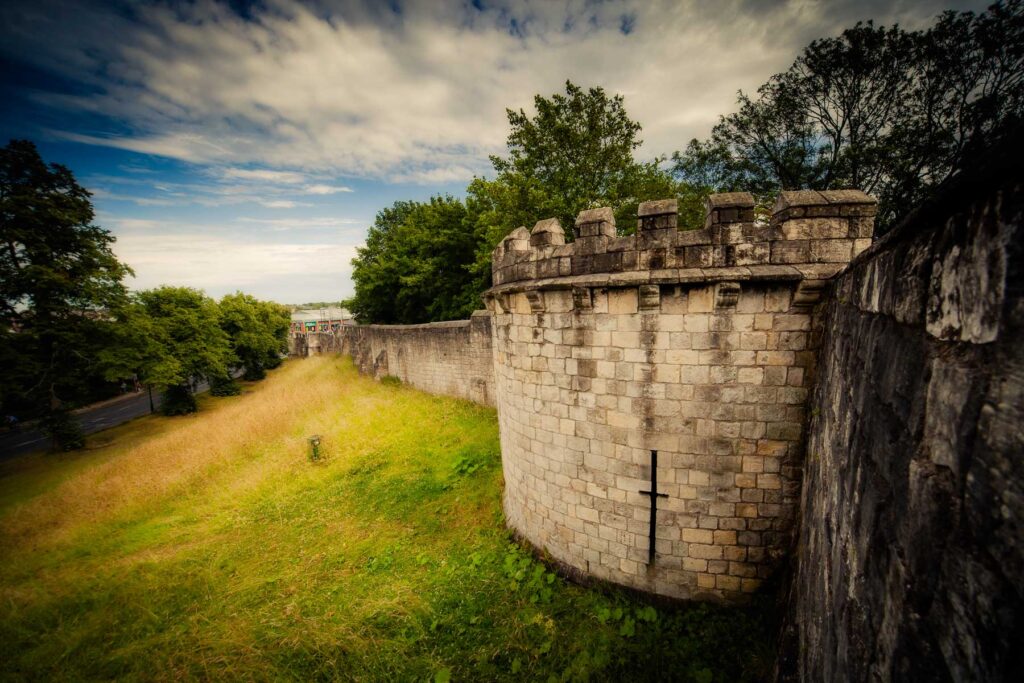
248,145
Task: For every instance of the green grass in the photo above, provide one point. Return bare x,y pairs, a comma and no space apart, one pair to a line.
210,547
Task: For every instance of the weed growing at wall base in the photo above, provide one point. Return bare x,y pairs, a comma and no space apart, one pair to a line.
209,547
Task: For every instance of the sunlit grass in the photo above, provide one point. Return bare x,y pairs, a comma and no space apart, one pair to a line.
211,547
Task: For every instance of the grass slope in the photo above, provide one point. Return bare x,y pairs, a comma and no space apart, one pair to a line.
210,547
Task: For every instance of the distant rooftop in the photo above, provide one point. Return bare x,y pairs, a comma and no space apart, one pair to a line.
317,314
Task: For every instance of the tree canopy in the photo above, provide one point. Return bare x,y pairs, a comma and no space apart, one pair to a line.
171,337
881,109
576,152
58,279
257,332
416,264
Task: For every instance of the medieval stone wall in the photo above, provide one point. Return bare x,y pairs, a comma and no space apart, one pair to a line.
448,358
762,366
911,549
699,345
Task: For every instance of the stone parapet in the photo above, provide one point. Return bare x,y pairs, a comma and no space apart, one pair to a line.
814,232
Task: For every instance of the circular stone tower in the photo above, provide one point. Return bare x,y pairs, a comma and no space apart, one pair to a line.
692,347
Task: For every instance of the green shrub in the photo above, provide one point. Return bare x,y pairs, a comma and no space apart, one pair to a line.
64,429
224,386
254,372
178,400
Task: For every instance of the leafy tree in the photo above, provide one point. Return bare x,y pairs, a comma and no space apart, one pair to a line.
575,153
170,337
276,319
140,348
256,330
58,278
577,149
417,264
431,261
374,271
885,110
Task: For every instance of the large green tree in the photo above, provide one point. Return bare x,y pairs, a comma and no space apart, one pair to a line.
58,280
257,332
417,264
575,152
888,111
171,337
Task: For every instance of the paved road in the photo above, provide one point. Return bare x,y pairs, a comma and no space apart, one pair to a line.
92,420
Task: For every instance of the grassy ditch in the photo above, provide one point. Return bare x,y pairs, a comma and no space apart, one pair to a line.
210,547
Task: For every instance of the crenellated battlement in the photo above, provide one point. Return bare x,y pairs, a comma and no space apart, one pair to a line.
811,236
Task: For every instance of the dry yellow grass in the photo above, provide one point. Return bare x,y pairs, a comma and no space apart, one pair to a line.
226,434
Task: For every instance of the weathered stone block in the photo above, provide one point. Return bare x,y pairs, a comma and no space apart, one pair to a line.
660,207
831,250
547,233
649,297
746,254
791,251
698,257
596,223
814,228
622,301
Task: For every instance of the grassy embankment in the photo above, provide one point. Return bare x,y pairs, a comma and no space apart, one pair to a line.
210,547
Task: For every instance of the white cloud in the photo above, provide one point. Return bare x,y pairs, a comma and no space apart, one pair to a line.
103,193
418,95
220,265
194,147
262,174
136,224
437,175
226,187
325,189
301,223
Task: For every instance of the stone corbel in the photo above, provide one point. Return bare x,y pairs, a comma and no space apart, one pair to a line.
727,294
582,299
536,299
808,293
649,297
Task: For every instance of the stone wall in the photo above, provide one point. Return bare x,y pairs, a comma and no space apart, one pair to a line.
448,358
703,346
911,554
314,343
699,345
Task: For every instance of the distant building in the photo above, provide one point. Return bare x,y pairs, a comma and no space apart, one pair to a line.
320,319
